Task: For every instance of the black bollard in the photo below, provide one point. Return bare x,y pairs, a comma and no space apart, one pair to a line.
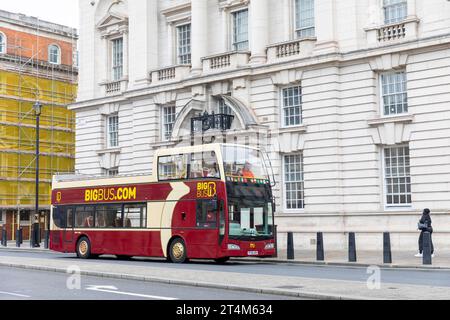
37,236
426,257
21,235
320,254
351,247
18,239
387,253
31,236
4,237
290,246
47,239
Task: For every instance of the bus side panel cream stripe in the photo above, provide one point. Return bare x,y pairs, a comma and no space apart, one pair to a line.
154,212
179,190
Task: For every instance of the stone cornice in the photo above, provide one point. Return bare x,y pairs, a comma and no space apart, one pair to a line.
393,119
177,13
232,4
44,65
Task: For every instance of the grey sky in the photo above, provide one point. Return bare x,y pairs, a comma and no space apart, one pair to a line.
63,12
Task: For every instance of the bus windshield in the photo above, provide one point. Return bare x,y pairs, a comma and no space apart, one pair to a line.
243,164
250,218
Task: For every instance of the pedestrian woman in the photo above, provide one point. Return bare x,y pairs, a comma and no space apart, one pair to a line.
425,226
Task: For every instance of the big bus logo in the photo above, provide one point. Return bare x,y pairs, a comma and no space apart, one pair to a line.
206,189
110,194
58,197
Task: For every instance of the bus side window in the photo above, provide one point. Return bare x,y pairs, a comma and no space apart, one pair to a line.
135,215
172,167
207,213
59,217
69,216
84,217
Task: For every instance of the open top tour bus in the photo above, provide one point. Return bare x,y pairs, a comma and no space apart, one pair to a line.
202,202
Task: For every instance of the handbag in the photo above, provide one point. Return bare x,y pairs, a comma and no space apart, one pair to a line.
422,226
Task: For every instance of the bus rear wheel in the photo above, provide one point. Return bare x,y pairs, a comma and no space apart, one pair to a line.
177,251
84,248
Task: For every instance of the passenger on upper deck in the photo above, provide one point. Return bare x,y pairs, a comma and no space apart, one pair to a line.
246,172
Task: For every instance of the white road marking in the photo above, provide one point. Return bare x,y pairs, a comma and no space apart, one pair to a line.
14,294
112,289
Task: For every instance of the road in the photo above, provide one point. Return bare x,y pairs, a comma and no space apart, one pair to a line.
21,284
439,278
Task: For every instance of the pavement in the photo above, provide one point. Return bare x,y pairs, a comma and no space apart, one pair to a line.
244,276
400,259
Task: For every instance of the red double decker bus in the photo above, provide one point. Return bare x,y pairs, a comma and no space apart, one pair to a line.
202,202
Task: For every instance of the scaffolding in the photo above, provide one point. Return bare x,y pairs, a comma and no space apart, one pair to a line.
25,80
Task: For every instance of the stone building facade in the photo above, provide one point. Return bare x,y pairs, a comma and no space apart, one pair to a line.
350,99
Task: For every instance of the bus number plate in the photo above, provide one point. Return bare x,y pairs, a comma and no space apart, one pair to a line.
253,253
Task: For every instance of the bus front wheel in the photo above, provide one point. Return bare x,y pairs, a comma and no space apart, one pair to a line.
84,248
177,251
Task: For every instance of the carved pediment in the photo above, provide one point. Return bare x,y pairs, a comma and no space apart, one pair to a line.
112,19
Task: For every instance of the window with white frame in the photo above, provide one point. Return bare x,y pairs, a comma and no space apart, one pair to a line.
397,176
117,59
184,44
304,18
3,43
240,30
223,108
294,181
113,131
168,121
292,106
395,10
54,54
112,172
394,93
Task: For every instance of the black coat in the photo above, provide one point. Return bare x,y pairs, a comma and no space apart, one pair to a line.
426,219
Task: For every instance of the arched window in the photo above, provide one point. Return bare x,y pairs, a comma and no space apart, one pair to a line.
54,54
2,43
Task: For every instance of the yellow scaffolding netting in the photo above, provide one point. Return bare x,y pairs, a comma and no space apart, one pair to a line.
18,93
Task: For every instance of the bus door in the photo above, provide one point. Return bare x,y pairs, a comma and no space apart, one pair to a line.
221,218
69,230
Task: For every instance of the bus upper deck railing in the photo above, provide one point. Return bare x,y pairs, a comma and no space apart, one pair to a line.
68,177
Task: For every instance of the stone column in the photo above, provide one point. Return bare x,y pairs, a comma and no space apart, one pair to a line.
411,9
106,49
325,24
225,31
259,30
199,34
374,13
171,54
143,41
126,70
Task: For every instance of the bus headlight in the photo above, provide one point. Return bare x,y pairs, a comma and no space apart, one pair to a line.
269,246
233,247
